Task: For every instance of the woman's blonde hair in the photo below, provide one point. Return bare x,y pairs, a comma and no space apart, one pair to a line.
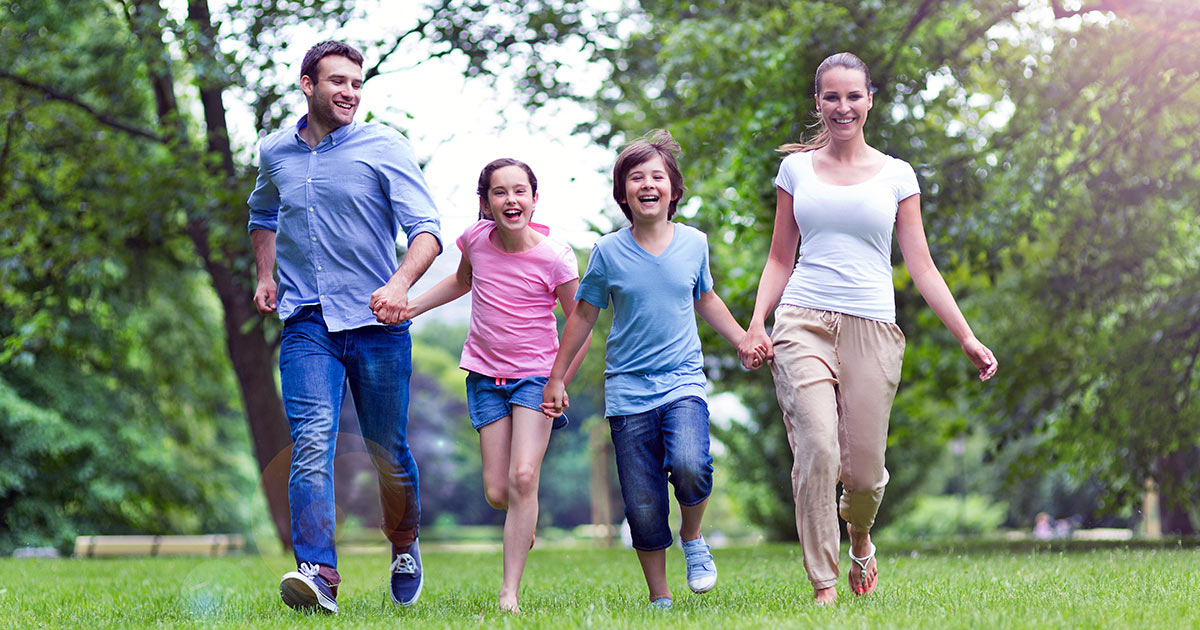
839,60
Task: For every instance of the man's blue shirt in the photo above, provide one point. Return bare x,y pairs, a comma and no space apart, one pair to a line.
336,211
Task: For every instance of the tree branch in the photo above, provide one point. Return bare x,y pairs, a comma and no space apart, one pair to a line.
919,16
54,95
375,69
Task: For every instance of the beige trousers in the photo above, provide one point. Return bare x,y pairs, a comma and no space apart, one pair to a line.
836,377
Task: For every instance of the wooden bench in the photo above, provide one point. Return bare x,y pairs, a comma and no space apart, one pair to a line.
108,546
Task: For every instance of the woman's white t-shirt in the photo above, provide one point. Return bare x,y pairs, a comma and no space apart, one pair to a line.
845,260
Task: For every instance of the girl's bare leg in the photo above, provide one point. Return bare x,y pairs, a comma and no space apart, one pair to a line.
495,441
530,435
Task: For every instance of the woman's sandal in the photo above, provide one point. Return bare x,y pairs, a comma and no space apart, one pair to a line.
865,587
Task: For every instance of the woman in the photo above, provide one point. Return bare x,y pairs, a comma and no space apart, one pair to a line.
835,350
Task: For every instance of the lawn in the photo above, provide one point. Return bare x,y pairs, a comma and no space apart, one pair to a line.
760,587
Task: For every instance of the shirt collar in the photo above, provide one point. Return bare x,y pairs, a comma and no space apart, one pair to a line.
334,137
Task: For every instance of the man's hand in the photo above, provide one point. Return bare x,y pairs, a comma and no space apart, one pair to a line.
264,296
389,302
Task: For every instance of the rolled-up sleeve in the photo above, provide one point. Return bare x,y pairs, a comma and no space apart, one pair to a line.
264,201
406,190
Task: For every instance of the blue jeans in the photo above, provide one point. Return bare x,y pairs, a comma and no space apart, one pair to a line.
314,366
666,444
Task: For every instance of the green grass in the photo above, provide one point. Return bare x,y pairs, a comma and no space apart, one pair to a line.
760,587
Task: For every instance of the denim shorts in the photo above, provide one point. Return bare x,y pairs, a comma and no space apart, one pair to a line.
490,399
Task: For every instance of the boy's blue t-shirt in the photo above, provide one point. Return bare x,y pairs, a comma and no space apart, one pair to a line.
653,355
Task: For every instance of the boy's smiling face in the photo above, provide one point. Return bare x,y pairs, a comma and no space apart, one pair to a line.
648,190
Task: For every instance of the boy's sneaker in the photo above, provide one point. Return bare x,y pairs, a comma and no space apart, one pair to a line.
305,589
662,603
407,577
701,569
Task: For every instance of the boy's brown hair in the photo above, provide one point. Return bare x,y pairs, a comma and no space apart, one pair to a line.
657,143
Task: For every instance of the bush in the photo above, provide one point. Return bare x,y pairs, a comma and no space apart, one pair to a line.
939,516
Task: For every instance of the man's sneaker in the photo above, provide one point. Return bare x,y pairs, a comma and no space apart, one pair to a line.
701,569
407,576
305,589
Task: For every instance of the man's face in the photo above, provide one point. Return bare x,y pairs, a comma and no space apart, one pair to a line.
333,95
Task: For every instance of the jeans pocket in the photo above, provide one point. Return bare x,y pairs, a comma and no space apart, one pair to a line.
617,423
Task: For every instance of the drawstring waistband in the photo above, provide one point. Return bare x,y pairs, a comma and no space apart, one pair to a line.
834,320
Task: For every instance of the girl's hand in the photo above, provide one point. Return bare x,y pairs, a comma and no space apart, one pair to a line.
755,348
980,357
554,398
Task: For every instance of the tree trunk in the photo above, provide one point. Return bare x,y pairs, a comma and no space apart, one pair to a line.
1174,470
251,355
254,364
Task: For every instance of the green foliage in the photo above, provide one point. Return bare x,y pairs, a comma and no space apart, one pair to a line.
138,435
940,516
1101,162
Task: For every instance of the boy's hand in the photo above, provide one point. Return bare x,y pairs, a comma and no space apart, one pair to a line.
554,398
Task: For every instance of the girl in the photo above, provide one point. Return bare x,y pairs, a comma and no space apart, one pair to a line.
515,273
835,350
656,274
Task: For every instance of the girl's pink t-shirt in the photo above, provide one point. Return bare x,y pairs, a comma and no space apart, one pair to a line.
513,333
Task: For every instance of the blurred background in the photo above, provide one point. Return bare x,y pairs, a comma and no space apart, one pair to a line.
1056,143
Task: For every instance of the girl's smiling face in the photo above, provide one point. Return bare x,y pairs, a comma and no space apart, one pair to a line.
648,190
844,101
510,199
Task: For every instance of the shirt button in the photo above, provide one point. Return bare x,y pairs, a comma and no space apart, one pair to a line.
319,267
322,297
309,180
314,152
310,209
314,239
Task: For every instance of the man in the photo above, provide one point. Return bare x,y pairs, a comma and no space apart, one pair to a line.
331,196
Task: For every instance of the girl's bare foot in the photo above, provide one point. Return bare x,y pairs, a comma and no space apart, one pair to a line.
825,596
509,603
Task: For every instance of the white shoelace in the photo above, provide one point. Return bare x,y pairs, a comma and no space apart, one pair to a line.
404,563
309,569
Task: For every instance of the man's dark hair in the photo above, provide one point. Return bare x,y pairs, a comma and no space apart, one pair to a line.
308,67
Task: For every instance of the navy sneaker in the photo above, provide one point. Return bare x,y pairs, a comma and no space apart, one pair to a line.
407,576
305,589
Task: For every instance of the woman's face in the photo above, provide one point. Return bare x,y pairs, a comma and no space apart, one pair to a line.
843,101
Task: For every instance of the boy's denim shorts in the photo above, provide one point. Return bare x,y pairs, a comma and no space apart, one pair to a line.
490,399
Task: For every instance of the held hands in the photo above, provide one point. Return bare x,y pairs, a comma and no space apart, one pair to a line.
389,303
264,296
980,357
554,398
755,348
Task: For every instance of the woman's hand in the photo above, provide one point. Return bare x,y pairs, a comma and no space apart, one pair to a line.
755,348
980,357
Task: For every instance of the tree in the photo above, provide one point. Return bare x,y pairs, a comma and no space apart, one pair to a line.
1056,159
1101,158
